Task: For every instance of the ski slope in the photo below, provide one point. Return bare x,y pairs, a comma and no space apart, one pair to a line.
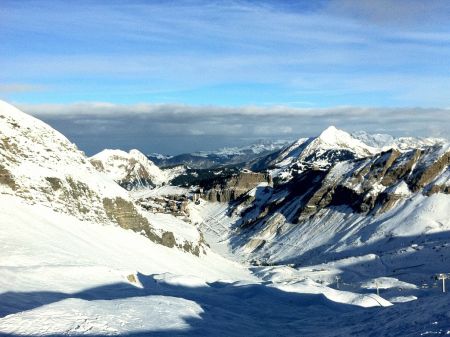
62,276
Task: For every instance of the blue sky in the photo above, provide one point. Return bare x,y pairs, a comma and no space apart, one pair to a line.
296,54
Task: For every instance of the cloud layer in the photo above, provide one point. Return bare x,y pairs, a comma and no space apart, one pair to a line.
178,128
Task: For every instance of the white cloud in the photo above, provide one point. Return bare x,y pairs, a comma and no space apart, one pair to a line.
19,87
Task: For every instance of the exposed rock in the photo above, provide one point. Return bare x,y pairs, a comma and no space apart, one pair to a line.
438,189
402,166
387,201
55,183
236,186
174,204
124,213
168,239
6,178
132,278
427,172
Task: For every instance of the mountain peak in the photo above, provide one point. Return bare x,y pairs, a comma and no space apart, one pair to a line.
331,140
334,135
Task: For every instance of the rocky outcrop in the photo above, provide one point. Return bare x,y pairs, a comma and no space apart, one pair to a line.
428,171
439,188
7,179
400,166
236,186
125,214
169,204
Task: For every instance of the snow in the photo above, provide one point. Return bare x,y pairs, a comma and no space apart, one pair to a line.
400,189
386,142
288,155
68,274
118,165
333,138
160,191
408,143
377,140
36,236
61,275
167,222
70,277
418,215
181,280
257,148
320,152
402,299
160,156
109,317
386,283
347,297
35,153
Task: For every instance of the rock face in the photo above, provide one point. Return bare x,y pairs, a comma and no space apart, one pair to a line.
169,204
237,185
39,165
131,170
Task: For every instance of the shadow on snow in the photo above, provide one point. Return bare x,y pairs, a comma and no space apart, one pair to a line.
228,309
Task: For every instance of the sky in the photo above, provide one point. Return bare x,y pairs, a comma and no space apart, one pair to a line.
180,76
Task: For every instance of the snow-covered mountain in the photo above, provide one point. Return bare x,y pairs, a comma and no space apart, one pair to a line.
386,142
130,170
40,166
336,197
221,157
330,146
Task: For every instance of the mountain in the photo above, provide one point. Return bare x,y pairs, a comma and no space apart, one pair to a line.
384,141
340,228
222,157
335,197
331,146
132,170
40,166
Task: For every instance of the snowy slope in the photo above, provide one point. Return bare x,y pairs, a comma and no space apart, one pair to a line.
46,255
62,276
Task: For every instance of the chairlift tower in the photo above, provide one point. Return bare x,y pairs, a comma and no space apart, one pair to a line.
338,278
443,277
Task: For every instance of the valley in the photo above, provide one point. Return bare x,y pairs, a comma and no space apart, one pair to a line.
332,235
